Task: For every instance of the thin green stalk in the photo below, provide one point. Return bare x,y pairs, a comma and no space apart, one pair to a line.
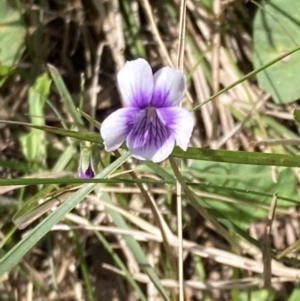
83,268
250,74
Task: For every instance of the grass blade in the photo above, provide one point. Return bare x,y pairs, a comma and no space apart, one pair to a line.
65,95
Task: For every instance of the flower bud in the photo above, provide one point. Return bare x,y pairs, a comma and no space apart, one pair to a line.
86,165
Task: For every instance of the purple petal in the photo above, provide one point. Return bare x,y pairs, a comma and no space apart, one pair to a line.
169,87
136,83
150,139
180,123
116,127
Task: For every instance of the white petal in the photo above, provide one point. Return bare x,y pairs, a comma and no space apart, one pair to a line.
149,139
116,127
136,84
180,122
169,87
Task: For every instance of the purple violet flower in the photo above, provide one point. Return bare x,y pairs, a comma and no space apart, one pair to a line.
151,121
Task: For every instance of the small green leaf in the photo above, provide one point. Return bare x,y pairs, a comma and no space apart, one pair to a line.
276,31
33,143
12,35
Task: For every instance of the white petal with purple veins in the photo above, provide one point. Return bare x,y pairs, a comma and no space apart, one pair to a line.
136,84
169,87
150,139
117,126
180,123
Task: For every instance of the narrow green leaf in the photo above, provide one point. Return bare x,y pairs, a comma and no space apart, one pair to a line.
32,209
113,181
36,181
93,121
65,95
241,157
80,135
247,76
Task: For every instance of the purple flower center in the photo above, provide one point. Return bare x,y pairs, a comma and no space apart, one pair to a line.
149,129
